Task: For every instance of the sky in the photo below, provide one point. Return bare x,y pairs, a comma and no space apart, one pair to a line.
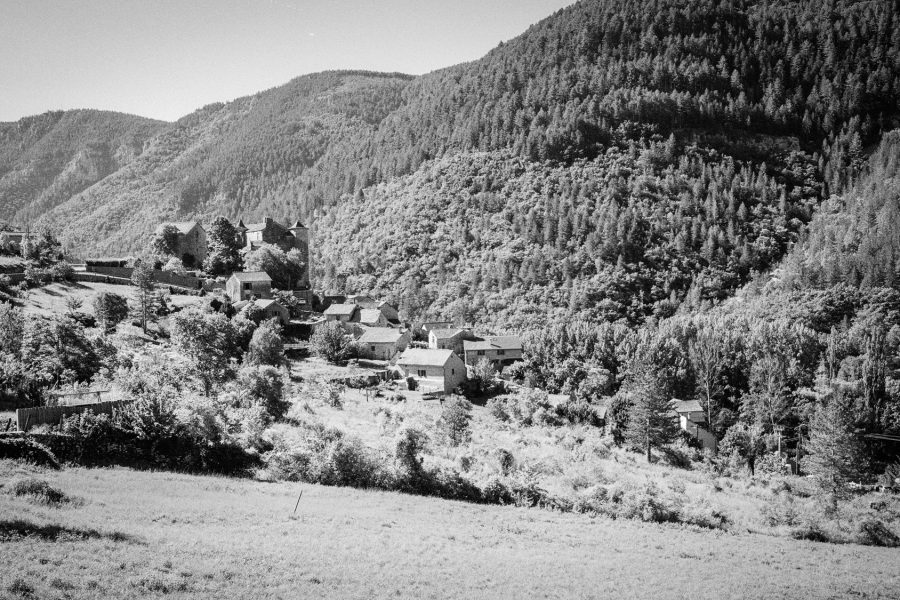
166,58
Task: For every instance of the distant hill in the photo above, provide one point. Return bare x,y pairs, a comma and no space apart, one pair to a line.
627,158
46,159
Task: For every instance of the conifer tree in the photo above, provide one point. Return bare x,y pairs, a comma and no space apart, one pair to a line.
833,452
650,423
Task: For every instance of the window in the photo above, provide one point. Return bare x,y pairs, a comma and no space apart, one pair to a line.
453,371
422,373
248,286
373,348
501,352
480,353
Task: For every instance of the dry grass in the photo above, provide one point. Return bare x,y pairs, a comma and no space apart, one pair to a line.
140,534
51,299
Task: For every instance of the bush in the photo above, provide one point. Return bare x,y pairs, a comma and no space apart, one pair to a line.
505,461
37,490
331,342
872,532
266,347
22,448
497,408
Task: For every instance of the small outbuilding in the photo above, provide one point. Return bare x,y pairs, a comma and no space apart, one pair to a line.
434,370
245,285
343,313
382,343
274,310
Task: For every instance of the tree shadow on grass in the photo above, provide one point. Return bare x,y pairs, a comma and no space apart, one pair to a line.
13,529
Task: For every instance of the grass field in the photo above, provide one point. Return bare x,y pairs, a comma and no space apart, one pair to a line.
141,534
51,299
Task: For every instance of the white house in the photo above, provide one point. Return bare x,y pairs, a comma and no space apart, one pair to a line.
692,419
434,370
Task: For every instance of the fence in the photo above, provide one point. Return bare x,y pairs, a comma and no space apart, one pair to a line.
44,415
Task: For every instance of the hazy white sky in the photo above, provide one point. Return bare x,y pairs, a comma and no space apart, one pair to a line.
165,58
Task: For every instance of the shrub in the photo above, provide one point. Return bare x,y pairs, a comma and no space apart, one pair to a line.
497,408
266,347
37,490
872,532
505,461
21,448
407,450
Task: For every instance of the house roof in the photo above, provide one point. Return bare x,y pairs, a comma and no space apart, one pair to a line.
497,342
181,226
269,223
437,325
369,315
380,335
340,309
685,406
443,334
245,276
425,357
267,302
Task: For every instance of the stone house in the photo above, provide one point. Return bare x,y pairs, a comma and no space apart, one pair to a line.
245,285
501,350
343,313
371,317
382,343
433,370
274,310
447,339
191,242
272,232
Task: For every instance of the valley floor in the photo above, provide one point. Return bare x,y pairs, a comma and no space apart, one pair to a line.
141,534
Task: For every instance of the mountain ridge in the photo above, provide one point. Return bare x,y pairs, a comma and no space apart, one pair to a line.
646,83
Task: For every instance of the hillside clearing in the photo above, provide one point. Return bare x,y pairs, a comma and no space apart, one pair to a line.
51,299
137,534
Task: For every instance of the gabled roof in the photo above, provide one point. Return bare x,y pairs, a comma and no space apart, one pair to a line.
425,357
443,334
341,309
686,406
298,225
380,335
247,276
182,226
369,315
497,342
268,224
437,325
267,302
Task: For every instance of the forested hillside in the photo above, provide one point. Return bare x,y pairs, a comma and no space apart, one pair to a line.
615,160
46,159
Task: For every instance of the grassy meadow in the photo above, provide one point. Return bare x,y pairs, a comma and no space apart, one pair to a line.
51,299
122,533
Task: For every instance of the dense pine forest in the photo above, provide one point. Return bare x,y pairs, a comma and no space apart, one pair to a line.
618,160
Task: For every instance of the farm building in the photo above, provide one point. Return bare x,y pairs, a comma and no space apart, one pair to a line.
274,310
372,317
272,232
692,419
501,350
382,343
447,339
246,285
191,242
427,327
434,370
343,313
